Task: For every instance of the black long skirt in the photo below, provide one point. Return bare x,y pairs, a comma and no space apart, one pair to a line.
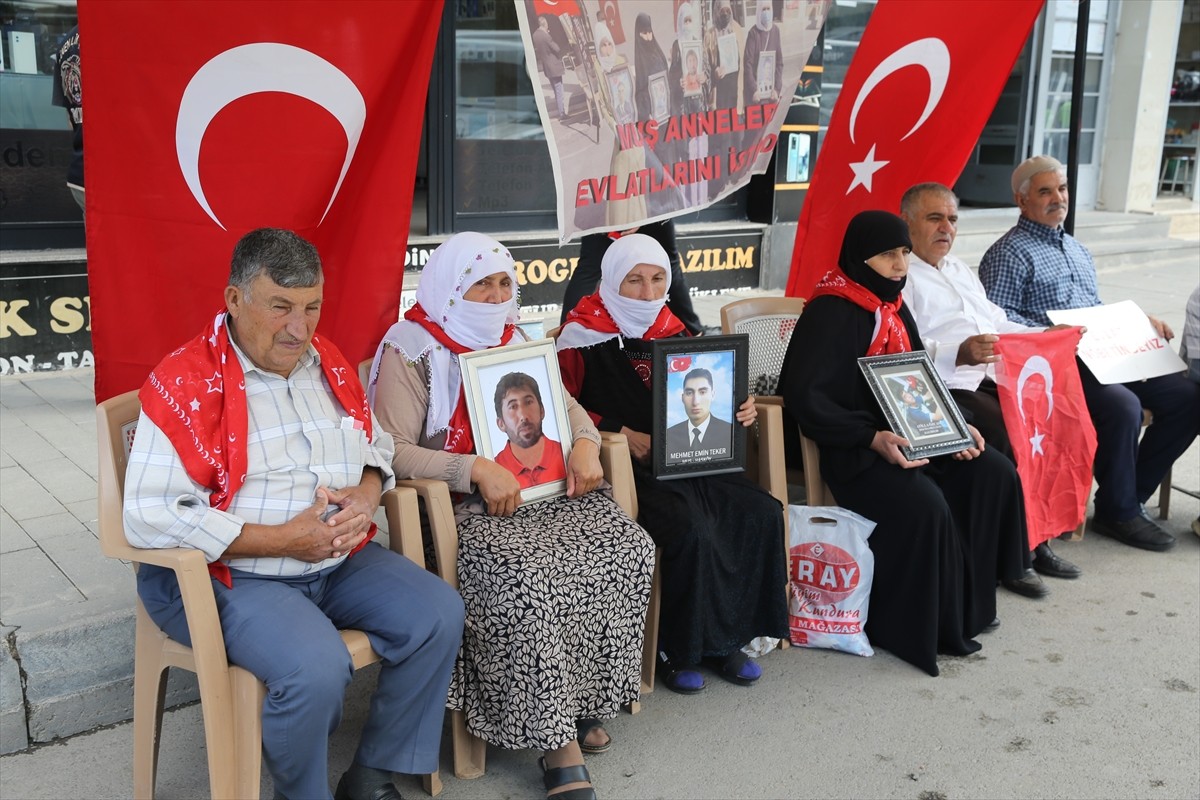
944,535
724,572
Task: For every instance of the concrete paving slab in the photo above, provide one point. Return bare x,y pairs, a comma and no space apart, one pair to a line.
85,511
53,525
24,498
5,459
67,482
29,581
12,536
13,730
25,445
17,394
75,555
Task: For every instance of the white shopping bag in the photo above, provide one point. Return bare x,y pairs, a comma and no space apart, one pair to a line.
830,568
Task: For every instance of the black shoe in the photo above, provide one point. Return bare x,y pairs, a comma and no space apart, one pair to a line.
1047,562
1141,531
991,626
384,791
1028,584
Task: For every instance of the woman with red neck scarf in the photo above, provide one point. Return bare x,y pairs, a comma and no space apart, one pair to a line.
947,528
575,571
723,569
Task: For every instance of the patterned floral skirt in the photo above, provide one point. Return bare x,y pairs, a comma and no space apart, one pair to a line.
556,605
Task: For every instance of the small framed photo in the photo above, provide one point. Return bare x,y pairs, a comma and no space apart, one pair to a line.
765,76
691,54
660,96
917,404
727,49
620,89
518,411
698,386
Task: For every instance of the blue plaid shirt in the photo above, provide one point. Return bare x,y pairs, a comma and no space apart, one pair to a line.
1033,269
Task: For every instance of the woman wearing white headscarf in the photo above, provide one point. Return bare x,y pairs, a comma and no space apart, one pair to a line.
556,591
723,570
688,79
762,37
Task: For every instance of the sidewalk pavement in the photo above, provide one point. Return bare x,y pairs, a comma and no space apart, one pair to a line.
1094,692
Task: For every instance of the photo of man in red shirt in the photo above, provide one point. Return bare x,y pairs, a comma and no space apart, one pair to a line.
530,456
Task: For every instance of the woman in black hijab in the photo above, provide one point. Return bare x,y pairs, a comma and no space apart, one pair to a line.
648,59
947,528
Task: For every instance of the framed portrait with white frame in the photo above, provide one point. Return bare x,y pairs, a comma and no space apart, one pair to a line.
698,386
518,411
917,404
620,92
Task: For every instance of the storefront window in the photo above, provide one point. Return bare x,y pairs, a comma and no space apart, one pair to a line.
35,135
501,162
843,31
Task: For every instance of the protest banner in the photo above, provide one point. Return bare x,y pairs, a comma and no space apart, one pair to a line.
1120,344
654,109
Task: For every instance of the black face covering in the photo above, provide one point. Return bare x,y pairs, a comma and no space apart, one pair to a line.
869,234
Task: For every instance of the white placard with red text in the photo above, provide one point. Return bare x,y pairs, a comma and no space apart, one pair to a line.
1120,344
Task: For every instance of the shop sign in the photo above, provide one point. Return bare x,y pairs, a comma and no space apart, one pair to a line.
710,262
45,318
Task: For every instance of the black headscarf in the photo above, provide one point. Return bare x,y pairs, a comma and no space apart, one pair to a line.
869,234
648,59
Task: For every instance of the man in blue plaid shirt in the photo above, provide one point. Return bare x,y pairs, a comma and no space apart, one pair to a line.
1036,267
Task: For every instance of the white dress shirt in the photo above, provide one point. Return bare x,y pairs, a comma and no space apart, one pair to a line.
949,305
296,443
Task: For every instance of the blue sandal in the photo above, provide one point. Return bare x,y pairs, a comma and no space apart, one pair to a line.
681,678
737,667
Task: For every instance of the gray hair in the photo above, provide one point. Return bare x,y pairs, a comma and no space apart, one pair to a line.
1031,167
284,257
908,203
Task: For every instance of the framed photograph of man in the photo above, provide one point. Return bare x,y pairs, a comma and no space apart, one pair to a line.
620,90
727,50
698,386
765,76
518,414
917,404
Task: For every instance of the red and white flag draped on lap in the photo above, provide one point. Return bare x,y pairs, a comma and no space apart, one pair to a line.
916,96
1049,427
207,120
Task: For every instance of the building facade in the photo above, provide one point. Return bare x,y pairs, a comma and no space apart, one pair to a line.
484,163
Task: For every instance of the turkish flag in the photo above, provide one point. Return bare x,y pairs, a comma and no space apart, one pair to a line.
921,86
556,8
207,120
1049,427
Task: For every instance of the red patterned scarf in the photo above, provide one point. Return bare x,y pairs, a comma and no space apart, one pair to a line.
890,334
197,397
459,438
591,314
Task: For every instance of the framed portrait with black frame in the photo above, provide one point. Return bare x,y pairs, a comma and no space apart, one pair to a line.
698,386
518,411
917,404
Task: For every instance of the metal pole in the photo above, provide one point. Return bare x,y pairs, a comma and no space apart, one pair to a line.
1077,79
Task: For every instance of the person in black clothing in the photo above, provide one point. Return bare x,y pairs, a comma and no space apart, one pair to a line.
947,528
68,93
592,248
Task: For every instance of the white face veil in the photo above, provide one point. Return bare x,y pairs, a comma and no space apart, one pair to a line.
452,269
633,317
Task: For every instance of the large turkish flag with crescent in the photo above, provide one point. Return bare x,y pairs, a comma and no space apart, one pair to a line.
921,86
207,120
1049,426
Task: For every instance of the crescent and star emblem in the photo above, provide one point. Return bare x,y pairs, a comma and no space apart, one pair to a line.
931,55
1036,365
263,67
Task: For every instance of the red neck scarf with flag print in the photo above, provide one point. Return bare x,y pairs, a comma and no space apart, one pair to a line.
459,438
890,334
591,313
197,397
